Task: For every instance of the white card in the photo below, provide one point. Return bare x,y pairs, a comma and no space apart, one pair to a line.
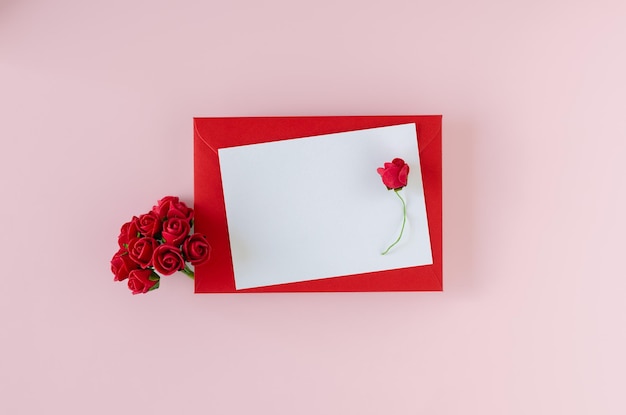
315,207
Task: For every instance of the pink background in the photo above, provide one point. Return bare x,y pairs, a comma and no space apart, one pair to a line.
96,107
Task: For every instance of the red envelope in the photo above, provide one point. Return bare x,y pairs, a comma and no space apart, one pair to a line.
211,134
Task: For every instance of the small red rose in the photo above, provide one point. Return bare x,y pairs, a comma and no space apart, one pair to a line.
180,210
175,230
140,250
122,265
128,232
394,174
141,281
168,259
171,207
148,224
163,206
196,249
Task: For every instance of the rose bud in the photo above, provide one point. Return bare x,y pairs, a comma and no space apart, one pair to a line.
180,210
394,174
149,224
167,259
140,250
196,249
175,230
163,206
122,265
141,281
128,232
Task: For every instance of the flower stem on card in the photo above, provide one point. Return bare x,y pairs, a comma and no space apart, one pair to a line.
403,222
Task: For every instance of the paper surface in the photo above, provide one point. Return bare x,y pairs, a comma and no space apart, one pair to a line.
315,207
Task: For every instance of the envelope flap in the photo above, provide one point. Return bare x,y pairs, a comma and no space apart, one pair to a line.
224,132
199,136
428,132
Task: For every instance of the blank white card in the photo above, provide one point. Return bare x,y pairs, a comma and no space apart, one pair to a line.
315,207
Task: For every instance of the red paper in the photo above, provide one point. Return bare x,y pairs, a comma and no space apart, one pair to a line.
211,134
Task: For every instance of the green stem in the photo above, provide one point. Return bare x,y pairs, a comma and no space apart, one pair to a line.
403,222
188,272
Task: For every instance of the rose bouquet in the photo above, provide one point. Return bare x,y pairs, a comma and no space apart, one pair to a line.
158,242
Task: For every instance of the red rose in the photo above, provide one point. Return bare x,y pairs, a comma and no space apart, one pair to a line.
171,207
128,232
122,265
148,224
180,210
394,174
196,249
140,250
141,281
175,230
163,206
167,259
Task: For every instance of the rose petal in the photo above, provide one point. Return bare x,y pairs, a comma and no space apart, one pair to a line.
403,175
390,179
